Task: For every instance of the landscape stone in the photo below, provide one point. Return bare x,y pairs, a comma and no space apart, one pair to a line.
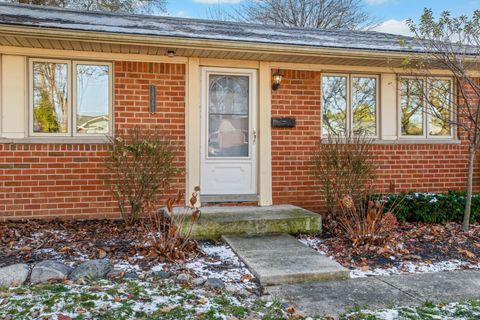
14,275
214,283
199,281
231,289
92,269
131,275
48,270
162,274
183,277
112,274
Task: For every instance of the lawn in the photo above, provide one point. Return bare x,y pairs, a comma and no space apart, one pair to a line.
133,299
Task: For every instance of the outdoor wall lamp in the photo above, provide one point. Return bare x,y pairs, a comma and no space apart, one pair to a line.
277,79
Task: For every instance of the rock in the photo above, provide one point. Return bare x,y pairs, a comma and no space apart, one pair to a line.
162,274
214,283
113,274
267,298
183,277
243,292
231,289
14,275
92,269
198,281
131,275
48,270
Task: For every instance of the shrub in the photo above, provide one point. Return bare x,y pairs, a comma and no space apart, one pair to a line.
344,166
433,208
141,165
168,234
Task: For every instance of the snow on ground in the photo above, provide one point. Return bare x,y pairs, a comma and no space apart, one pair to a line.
222,263
404,267
418,267
128,300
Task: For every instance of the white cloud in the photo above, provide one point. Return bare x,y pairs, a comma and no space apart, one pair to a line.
217,1
181,14
377,2
394,26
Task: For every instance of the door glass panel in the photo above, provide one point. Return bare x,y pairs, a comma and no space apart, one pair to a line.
228,116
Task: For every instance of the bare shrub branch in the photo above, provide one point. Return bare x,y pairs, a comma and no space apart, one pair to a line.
141,165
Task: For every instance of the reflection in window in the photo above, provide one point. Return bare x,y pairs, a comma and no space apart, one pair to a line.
50,97
439,96
228,116
92,99
364,105
334,106
411,104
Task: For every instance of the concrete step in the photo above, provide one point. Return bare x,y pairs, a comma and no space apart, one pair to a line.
282,259
217,221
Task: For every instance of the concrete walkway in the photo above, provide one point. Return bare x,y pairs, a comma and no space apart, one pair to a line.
280,259
337,297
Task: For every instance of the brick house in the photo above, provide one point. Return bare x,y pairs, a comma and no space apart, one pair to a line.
69,79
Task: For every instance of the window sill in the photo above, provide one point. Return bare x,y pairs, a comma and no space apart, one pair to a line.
55,140
418,141
408,141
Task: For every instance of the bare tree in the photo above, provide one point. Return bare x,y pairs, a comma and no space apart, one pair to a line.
121,6
321,14
452,44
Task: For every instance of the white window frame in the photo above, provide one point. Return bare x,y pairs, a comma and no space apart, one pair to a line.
349,98
71,98
425,116
74,98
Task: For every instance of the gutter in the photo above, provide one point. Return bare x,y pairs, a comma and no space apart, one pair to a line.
194,43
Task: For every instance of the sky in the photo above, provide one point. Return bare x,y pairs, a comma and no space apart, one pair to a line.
391,14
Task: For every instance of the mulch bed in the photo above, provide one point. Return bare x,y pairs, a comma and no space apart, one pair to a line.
73,241
414,242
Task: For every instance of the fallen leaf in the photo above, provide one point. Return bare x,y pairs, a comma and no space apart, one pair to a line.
246,278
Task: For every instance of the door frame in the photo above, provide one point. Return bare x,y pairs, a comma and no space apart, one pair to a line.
205,71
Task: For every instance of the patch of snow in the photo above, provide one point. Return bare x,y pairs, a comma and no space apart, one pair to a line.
313,242
411,267
222,263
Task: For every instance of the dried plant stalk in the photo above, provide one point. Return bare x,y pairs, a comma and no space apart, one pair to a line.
168,234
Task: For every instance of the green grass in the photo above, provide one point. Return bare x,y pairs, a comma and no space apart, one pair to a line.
132,299
135,299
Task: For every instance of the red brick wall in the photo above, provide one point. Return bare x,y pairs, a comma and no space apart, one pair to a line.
292,148
64,180
415,167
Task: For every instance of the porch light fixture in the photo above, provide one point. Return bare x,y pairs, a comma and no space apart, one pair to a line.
171,53
277,79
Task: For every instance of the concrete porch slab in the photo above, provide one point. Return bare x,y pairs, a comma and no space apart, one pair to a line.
281,259
216,221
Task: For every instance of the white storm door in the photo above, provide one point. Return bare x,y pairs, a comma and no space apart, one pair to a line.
228,132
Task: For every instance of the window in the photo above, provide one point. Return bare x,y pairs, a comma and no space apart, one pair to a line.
70,98
349,104
425,108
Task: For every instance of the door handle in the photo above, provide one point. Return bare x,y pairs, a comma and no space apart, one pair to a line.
254,136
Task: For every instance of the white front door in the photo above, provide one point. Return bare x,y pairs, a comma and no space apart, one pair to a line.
228,132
